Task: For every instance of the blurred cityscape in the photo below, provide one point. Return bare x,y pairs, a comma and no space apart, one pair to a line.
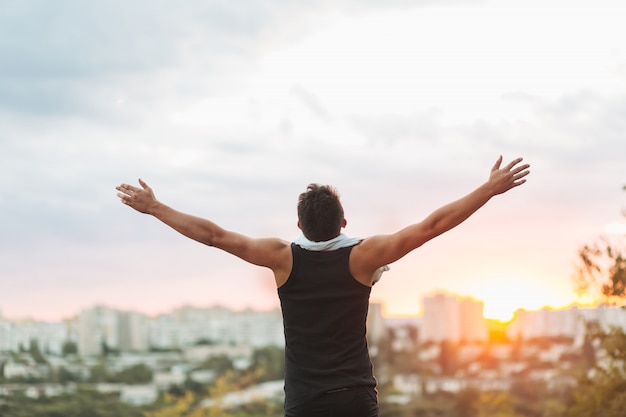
135,359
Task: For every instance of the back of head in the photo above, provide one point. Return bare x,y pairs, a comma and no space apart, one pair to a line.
320,213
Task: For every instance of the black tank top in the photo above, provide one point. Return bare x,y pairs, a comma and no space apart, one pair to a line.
324,314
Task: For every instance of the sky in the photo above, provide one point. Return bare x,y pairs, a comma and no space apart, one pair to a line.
229,109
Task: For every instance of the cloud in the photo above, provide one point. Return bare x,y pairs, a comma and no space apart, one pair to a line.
81,58
228,109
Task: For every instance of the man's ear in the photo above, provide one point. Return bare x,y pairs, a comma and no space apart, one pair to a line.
299,227
344,223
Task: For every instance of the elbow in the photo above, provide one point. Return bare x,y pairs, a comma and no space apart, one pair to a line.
433,230
214,238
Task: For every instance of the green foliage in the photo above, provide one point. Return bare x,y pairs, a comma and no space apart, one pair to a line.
108,350
63,376
496,404
204,342
100,373
35,352
219,364
136,374
602,272
190,404
439,405
474,403
69,348
190,386
81,404
269,363
466,402
602,391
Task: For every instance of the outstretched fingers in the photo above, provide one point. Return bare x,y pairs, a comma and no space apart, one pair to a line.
124,198
126,192
139,198
496,166
521,171
511,164
518,177
520,168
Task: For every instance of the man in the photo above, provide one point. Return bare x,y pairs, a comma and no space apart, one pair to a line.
324,281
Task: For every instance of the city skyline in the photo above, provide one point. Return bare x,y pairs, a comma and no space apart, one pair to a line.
228,110
447,318
381,309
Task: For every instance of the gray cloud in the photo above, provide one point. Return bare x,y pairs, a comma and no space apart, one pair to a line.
74,58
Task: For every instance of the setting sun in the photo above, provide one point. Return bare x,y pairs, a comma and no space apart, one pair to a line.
504,294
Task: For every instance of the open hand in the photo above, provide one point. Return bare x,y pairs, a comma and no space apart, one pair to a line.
507,177
141,199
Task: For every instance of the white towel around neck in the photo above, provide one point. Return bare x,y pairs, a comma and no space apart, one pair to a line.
341,241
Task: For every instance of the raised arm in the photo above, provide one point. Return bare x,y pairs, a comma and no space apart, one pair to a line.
272,253
380,250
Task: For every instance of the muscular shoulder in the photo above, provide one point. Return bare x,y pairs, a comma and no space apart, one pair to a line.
282,260
365,259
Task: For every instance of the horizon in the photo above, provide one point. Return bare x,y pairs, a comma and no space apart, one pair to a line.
418,315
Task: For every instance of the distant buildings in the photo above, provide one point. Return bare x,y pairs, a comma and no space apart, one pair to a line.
101,328
445,318
376,328
105,328
569,322
451,318
17,336
546,323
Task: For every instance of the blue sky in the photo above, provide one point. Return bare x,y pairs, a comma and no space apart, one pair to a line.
229,109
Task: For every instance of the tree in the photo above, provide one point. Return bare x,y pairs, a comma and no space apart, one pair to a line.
466,403
69,348
269,362
64,376
136,374
83,403
496,404
602,389
219,363
35,352
99,373
602,270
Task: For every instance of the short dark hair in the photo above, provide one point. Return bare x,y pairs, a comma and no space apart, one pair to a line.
320,213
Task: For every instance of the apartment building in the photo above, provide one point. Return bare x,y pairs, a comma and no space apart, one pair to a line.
452,318
569,322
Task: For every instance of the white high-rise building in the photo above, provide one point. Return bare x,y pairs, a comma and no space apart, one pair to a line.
133,332
375,324
452,318
440,319
473,326
218,325
18,335
98,326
